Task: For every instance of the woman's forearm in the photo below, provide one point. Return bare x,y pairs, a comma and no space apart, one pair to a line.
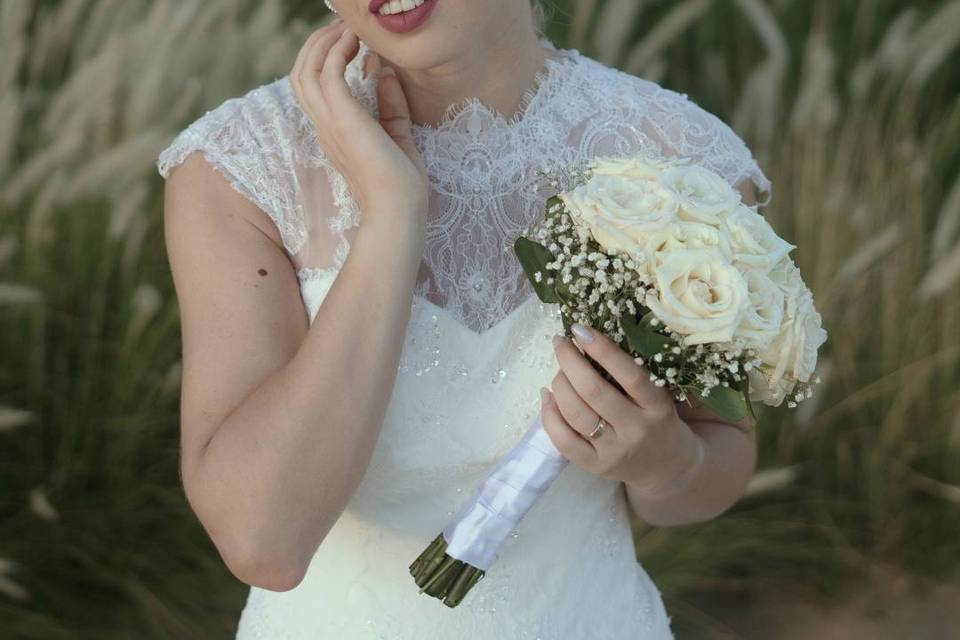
279,470
728,463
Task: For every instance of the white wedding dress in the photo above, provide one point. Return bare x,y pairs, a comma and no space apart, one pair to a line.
477,350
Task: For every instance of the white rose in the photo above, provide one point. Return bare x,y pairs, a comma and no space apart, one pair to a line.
764,315
698,294
762,391
683,235
621,211
755,243
786,275
792,355
629,167
703,194
808,335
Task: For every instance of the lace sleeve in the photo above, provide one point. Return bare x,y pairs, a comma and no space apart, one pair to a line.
627,114
685,129
243,139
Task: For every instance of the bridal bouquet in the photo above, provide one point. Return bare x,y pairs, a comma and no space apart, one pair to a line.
664,258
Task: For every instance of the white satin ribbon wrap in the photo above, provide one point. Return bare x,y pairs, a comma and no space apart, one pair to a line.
498,504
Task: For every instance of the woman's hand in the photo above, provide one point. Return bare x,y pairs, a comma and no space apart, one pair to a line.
645,443
379,160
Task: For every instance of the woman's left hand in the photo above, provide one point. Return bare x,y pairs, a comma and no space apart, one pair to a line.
645,443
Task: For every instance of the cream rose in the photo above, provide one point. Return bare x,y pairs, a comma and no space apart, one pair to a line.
621,211
786,275
755,243
699,294
762,391
764,315
682,235
702,194
792,354
630,167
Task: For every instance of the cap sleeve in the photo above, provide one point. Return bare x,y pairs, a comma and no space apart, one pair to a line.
687,130
245,141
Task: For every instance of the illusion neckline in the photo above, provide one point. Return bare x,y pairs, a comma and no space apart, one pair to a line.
557,61
545,77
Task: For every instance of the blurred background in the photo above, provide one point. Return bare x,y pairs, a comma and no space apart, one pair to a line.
852,107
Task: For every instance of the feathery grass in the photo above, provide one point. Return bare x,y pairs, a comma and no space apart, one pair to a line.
852,109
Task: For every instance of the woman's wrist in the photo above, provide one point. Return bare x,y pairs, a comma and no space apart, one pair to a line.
396,227
689,468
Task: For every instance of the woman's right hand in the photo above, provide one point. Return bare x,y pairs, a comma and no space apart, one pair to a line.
378,159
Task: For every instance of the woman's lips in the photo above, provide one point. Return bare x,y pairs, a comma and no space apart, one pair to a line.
405,20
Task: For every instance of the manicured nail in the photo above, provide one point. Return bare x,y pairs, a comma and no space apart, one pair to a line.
544,395
388,71
583,334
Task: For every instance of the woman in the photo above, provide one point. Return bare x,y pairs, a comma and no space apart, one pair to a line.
360,345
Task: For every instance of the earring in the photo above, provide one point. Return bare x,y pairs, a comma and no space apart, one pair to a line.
329,6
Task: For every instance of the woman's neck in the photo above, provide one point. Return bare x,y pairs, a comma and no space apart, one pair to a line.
498,74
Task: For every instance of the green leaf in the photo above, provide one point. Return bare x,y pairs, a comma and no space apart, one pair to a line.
742,387
642,338
534,257
728,403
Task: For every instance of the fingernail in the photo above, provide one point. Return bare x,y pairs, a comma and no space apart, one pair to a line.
557,339
544,395
583,334
388,71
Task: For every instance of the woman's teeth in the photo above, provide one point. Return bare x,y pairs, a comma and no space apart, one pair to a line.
399,6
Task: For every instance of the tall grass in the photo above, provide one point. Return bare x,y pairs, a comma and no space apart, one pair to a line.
855,115
851,108
96,539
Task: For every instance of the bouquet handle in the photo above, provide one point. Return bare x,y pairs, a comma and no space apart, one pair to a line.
468,545
498,504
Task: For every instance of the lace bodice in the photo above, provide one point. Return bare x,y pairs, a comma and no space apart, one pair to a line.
481,165
476,351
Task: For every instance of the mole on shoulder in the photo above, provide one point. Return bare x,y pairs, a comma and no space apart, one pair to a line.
262,271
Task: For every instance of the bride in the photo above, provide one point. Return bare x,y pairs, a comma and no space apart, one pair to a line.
360,344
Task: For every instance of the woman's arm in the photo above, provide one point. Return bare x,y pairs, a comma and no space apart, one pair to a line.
279,418
730,457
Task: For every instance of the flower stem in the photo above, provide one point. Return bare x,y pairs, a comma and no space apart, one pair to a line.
442,576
